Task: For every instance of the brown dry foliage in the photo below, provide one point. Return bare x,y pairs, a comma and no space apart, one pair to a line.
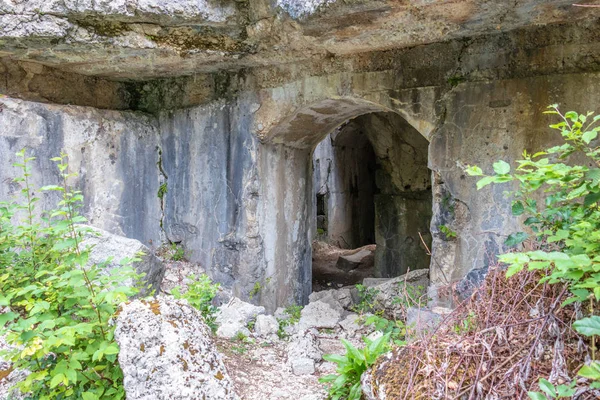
495,345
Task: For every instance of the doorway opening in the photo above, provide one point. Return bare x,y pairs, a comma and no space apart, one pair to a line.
372,201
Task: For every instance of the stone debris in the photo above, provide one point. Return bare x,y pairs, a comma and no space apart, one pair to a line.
303,353
234,317
167,353
266,326
319,315
411,287
106,246
336,298
353,261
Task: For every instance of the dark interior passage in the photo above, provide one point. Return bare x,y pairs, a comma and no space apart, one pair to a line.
372,193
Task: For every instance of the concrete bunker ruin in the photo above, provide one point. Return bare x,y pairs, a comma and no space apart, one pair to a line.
367,182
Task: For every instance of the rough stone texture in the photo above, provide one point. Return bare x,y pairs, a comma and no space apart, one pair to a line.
142,39
319,315
167,353
114,154
105,246
234,316
353,261
415,284
421,320
266,325
236,143
336,298
303,352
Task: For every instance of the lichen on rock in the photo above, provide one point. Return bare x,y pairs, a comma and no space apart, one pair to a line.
169,354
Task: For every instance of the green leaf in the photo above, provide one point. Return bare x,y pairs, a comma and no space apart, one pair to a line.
517,208
547,388
588,326
588,136
474,171
501,167
515,239
89,396
591,198
485,181
536,396
57,380
591,371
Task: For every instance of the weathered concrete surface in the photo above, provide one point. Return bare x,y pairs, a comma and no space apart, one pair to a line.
484,123
114,154
344,168
234,146
142,39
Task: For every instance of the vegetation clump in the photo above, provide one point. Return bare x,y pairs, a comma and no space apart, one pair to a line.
57,308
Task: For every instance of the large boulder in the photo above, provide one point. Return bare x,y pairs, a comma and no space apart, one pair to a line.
167,353
106,246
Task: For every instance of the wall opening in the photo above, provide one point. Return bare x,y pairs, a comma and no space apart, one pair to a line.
372,201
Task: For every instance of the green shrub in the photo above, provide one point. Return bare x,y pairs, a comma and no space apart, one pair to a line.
367,300
293,313
200,294
395,328
60,309
566,226
350,367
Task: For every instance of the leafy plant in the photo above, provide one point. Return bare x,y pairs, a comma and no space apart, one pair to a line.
367,297
177,252
449,233
200,293
60,307
162,191
255,290
293,313
394,328
551,391
350,367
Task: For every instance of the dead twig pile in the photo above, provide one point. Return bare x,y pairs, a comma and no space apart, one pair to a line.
496,345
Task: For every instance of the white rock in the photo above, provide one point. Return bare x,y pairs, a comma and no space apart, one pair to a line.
231,330
107,246
319,315
234,316
334,297
303,352
167,353
350,324
266,325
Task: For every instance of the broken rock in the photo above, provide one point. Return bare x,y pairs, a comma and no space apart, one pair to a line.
303,353
319,315
234,316
353,261
266,325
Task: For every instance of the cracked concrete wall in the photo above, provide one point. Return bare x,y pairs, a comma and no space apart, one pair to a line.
486,122
113,153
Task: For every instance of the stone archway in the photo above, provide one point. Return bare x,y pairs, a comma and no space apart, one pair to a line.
287,215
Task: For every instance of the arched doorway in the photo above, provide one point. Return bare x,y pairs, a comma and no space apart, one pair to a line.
401,196
373,203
